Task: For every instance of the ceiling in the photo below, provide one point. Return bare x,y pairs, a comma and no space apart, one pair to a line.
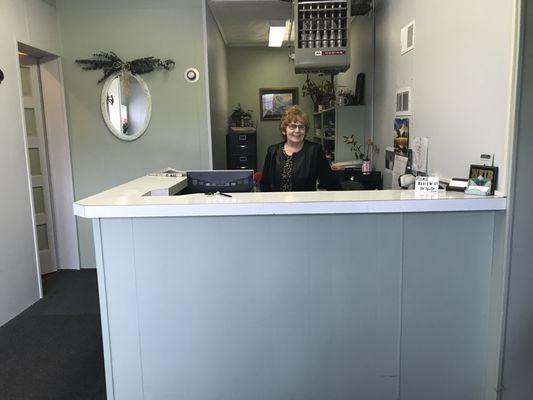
245,22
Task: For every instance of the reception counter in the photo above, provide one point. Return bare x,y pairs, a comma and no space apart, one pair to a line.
309,295
153,196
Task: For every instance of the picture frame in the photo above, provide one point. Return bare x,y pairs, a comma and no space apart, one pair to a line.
274,101
485,172
401,136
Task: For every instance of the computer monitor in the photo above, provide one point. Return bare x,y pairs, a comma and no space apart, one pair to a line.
238,180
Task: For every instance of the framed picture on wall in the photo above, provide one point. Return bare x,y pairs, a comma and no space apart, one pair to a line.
483,173
274,101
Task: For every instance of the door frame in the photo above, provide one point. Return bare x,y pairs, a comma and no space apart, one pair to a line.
59,158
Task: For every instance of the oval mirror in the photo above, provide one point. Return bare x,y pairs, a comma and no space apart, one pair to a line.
126,105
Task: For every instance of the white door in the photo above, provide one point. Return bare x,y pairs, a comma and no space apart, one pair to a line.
37,154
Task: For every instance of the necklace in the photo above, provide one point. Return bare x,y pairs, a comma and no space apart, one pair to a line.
289,150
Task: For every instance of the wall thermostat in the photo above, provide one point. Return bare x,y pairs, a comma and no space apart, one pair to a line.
192,75
487,159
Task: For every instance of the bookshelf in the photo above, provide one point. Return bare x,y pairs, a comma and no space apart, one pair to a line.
329,127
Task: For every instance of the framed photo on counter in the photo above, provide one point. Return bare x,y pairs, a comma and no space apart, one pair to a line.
274,101
484,173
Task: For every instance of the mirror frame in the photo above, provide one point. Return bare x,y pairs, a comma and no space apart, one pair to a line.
103,107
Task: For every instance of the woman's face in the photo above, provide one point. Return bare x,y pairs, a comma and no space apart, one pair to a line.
295,132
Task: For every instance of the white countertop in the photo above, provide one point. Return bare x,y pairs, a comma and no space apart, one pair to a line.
133,199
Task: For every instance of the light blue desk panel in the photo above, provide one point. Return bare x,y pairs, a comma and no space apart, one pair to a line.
445,305
295,307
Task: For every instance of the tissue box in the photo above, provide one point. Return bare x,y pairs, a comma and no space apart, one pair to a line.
478,187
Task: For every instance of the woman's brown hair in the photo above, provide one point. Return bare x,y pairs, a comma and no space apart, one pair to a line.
293,114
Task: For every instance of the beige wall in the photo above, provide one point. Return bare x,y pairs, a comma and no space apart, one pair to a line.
460,75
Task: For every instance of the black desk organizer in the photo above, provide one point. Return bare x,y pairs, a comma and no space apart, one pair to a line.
241,148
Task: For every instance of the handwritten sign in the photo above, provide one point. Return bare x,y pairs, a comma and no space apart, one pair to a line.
426,184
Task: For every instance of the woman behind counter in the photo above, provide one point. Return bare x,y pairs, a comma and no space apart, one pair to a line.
296,163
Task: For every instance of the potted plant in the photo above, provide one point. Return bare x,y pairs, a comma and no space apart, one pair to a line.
355,147
239,117
348,95
321,94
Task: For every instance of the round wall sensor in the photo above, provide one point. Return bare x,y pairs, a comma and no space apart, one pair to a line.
192,75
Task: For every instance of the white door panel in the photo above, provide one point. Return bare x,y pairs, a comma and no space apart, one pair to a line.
37,155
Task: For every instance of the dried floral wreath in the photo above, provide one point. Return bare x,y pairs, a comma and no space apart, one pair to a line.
110,63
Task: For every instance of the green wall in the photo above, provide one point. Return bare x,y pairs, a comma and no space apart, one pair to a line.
178,132
361,60
361,54
251,68
218,90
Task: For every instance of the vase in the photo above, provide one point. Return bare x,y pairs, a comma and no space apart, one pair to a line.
366,167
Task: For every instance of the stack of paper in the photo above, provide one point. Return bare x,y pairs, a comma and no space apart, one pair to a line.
346,164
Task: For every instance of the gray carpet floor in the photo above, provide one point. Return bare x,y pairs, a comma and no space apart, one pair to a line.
53,350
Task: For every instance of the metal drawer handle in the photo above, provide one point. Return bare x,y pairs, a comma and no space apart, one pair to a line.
242,137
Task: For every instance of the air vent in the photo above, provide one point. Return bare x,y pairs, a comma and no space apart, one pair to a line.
408,37
323,37
403,101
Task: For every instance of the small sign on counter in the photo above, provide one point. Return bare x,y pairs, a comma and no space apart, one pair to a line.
426,184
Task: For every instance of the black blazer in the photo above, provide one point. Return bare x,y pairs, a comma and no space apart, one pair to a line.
309,165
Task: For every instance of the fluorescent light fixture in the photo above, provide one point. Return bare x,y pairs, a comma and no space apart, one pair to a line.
276,33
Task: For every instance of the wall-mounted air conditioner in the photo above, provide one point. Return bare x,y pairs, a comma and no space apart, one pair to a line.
322,42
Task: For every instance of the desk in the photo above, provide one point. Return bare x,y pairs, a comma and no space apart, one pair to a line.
371,181
311,295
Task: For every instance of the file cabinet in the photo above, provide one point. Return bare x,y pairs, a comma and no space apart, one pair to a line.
241,148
